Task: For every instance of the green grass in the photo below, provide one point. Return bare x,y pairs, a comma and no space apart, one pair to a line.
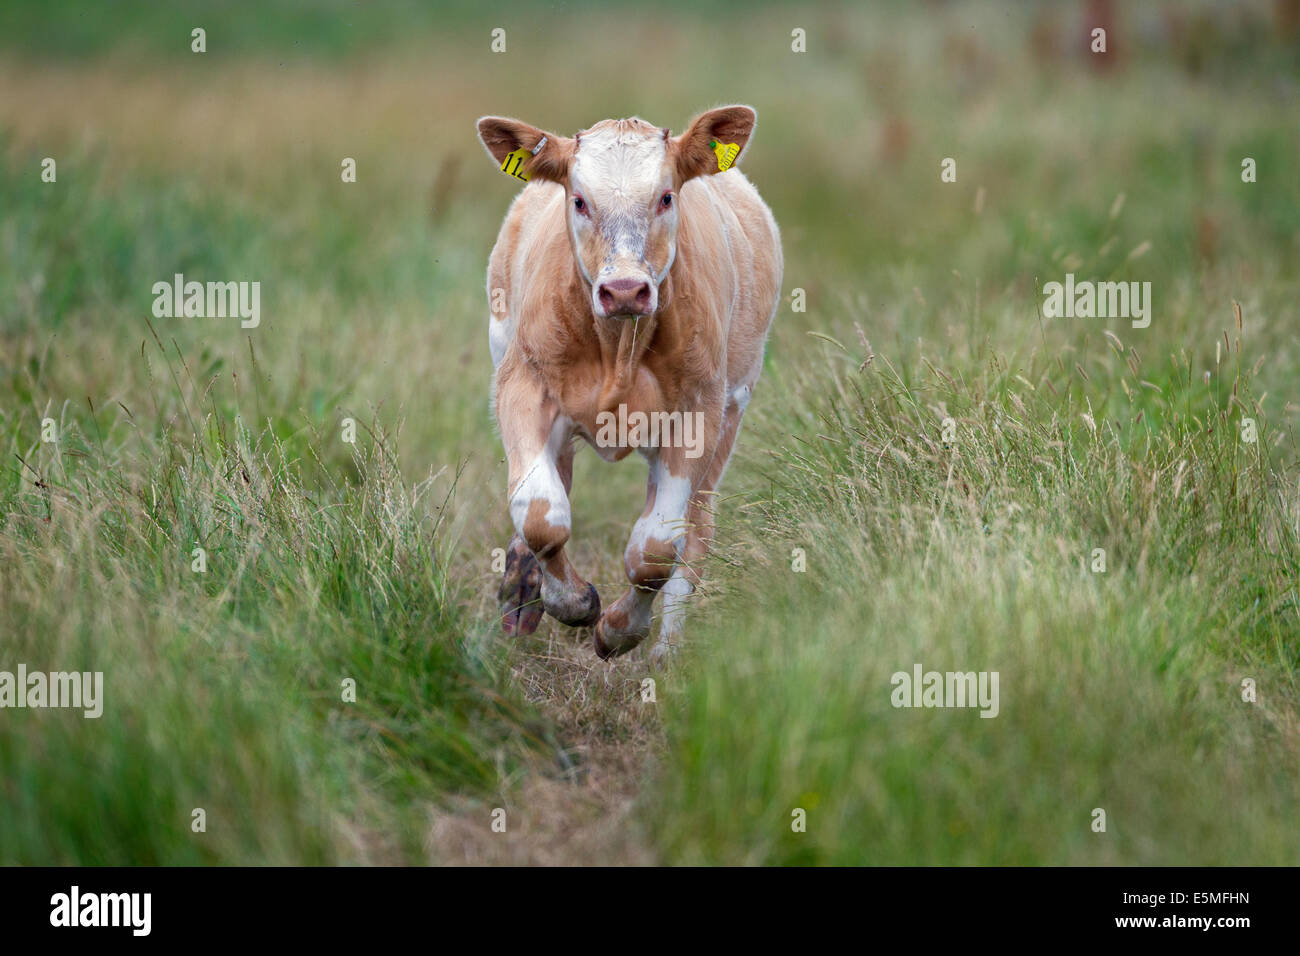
326,561
1119,690
226,667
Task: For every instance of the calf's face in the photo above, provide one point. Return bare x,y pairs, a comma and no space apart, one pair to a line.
621,179
622,215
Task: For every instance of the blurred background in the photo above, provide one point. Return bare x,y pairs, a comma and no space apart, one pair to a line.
376,560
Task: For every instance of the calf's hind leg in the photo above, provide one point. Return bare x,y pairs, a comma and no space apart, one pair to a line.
699,532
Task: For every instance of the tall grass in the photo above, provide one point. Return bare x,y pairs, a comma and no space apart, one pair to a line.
1120,685
294,659
1120,690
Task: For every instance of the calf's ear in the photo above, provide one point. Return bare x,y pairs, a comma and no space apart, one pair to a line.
714,142
501,136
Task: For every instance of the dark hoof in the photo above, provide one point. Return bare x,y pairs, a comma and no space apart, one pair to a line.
521,590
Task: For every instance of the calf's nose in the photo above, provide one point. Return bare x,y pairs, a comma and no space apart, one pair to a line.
624,297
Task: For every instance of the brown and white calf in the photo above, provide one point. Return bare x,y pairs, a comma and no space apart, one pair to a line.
631,271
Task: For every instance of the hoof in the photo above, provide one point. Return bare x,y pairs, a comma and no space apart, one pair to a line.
522,620
609,641
521,590
663,653
582,613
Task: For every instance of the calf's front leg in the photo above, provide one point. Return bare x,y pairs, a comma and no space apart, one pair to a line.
539,455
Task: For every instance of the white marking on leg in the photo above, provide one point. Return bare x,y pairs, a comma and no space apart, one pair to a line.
667,518
676,592
541,480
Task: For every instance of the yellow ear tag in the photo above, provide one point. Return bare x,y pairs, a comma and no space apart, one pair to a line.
514,164
726,153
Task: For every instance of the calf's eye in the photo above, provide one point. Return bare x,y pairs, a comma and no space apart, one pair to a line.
579,204
666,202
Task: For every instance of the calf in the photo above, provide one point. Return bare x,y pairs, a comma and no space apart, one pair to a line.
632,284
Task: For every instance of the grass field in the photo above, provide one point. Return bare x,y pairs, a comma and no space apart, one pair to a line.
329,562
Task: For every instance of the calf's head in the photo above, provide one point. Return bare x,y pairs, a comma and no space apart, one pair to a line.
621,179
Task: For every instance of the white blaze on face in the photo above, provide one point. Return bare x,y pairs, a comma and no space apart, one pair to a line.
621,174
